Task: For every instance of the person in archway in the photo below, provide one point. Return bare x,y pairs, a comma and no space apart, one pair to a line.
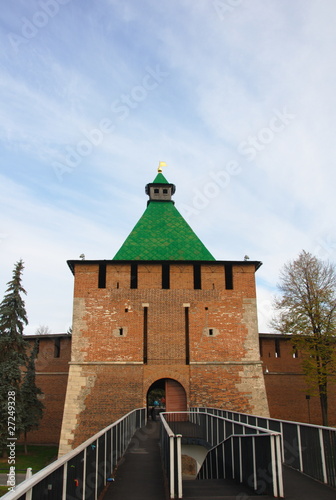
156,404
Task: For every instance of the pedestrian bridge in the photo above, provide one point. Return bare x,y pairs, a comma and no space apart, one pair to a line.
203,453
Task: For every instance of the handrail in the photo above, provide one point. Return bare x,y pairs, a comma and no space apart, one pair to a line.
28,485
171,457
165,424
304,424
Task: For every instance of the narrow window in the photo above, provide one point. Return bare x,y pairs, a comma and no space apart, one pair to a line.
211,332
145,333
57,347
197,277
277,348
186,322
228,277
165,276
102,275
134,275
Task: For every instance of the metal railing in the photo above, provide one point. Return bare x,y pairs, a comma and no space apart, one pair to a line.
254,460
310,449
251,459
83,472
171,454
247,453
246,447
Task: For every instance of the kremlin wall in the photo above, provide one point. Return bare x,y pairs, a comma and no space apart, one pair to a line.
286,390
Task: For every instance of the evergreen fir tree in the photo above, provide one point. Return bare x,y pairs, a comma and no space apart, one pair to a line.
32,407
13,356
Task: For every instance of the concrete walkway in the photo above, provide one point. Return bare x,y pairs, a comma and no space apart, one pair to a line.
140,477
300,487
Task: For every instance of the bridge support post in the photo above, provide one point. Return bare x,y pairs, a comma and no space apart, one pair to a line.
29,494
171,467
278,440
179,464
65,479
324,469
84,473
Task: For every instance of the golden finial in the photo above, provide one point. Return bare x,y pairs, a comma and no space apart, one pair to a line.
161,164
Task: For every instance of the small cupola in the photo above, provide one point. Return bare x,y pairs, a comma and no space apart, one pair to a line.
160,189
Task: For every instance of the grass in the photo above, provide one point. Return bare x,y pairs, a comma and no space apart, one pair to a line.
38,457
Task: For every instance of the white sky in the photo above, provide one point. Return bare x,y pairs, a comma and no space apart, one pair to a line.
237,96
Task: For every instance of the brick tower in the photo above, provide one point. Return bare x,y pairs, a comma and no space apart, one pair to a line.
162,314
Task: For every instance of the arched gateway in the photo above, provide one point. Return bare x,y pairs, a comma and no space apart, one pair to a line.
169,393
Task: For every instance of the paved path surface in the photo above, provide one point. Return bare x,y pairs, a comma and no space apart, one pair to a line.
140,477
300,487
296,486
215,489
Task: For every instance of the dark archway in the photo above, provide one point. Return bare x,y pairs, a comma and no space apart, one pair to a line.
156,392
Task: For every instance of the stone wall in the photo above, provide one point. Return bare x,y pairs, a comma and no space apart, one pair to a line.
52,366
286,386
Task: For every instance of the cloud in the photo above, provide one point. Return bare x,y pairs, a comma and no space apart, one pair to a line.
45,237
228,76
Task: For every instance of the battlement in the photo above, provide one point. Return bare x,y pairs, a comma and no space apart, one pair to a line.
186,275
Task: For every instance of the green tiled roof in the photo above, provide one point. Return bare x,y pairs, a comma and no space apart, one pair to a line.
162,234
160,179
